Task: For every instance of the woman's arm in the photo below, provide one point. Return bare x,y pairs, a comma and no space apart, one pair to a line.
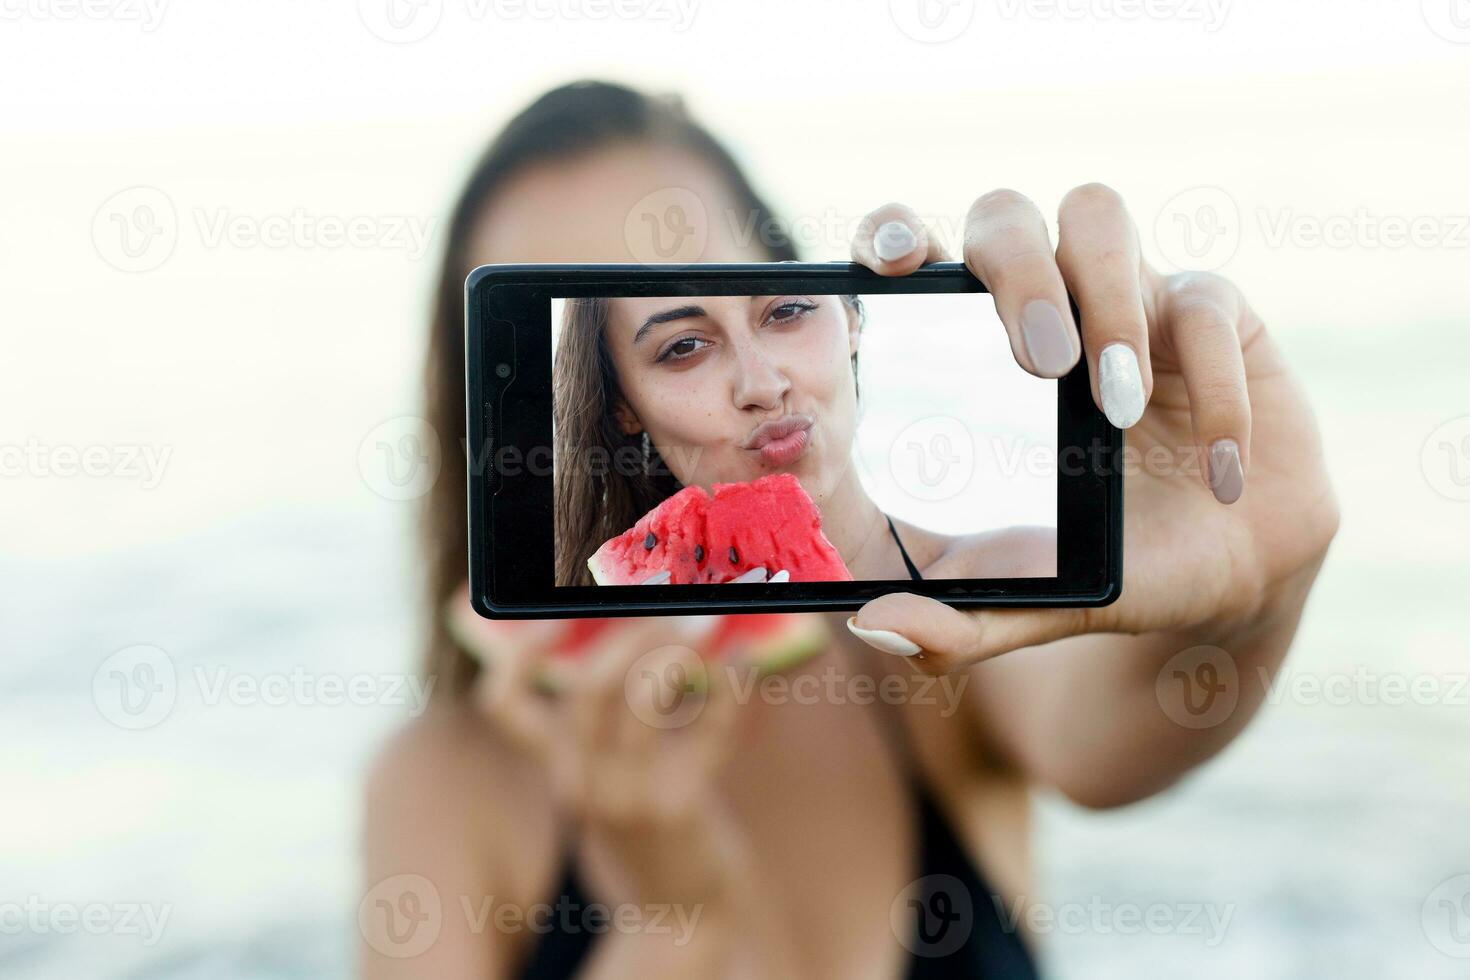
1222,539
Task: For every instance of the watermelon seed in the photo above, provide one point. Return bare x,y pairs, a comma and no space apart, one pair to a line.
649,542
734,559
699,552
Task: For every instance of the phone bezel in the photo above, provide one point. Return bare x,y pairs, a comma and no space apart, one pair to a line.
510,508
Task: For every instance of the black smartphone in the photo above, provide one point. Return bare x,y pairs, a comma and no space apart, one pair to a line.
727,438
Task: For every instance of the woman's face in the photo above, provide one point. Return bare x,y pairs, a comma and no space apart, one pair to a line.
732,388
756,359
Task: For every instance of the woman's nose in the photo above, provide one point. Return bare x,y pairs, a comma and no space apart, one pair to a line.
759,383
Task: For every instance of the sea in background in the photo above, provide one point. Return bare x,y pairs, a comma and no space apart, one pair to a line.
262,551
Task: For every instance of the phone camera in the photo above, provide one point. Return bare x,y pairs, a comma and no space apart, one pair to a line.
502,370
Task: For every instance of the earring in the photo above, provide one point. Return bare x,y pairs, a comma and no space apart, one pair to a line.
647,450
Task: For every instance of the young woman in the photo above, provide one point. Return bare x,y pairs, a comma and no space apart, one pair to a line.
724,389
837,836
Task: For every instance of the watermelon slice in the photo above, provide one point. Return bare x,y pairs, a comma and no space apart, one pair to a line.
746,532
770,642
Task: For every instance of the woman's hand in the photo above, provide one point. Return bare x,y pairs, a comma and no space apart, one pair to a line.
1228,500
633,753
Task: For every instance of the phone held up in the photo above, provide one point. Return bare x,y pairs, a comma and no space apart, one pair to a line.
772,437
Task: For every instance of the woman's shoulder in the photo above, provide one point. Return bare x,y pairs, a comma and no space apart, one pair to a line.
1022,551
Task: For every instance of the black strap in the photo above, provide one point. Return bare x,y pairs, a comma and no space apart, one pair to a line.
913,571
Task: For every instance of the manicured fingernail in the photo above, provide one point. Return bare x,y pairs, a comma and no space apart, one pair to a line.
754,575
782,576
885,640
1227,479
658,578
893,240
1047,338
1121,385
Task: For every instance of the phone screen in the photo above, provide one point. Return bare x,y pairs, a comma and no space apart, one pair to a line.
919,446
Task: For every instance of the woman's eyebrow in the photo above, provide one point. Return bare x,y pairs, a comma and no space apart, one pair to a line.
678,313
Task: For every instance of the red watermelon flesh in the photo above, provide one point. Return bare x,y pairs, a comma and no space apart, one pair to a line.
697,538
768,641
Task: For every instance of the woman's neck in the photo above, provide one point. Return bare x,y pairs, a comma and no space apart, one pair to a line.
858,529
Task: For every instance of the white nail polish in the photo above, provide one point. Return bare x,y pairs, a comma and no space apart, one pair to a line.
658,578
754,575
1121,385
782,576
885,640
893,240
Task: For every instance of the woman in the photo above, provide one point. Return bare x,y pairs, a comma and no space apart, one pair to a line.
838,836
724,389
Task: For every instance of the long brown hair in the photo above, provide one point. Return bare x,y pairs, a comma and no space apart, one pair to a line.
568,121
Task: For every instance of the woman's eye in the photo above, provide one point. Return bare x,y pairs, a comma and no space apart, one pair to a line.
683,347
790,311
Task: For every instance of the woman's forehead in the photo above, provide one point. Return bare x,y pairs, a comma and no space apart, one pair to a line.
628,203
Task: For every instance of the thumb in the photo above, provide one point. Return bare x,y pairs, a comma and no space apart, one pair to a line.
938,638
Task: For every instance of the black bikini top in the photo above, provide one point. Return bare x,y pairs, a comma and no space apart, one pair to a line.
913,570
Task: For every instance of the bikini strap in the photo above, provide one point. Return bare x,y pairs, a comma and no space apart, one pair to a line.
908,562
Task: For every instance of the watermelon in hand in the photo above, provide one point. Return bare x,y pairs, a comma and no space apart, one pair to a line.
765,530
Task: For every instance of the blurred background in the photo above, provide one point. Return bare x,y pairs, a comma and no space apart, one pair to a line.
220,224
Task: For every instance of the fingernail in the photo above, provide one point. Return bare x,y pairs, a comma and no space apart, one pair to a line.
885,640
757,575
782,576
1121,385
1227,479
658,578
1047,338
894,240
